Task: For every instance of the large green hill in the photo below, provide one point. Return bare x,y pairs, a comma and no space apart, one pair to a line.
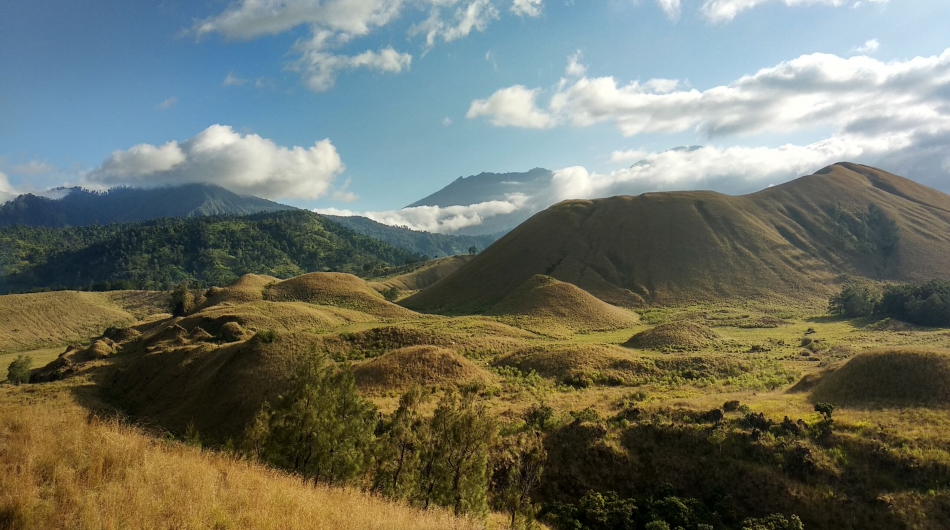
211,250
796,242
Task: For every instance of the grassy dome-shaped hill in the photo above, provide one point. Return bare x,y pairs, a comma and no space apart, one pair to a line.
423,365
335,289
577,364
247,288
544,300
891,377
674,336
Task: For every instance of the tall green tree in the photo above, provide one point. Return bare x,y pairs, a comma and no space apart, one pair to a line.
320,427
399,445
455,460
518,466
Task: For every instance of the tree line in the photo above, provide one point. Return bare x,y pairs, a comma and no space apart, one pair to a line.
924,304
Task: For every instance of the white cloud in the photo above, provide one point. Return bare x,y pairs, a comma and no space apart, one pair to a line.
342,195
335,23
857,95
530,8
33,168
245,164
574,66
319,67
7,192
168,103
446,121
631,155
233,80
868,47
512,107
438,219
476,15
672,8
717,11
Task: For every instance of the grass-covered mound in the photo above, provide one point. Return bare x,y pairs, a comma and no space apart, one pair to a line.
891,377
278,316
40,319
420,275
542,303
247,288
674,336
422,365
335,289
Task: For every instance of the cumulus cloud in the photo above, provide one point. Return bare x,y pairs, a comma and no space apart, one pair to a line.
574,66
868,47
717,11
438,219
512,107
672,8
857,95
529,8
246,164
168,103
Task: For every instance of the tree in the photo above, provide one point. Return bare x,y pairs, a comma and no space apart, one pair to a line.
320,427
19,370
517,472
454,462
855,300
398,447
472,250
182,300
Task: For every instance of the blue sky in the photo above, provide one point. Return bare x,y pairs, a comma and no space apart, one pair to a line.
83,83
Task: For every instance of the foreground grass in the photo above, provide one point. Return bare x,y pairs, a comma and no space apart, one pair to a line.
61,469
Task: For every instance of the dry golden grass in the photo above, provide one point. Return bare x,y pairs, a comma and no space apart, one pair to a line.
279,316
422,365
545,305
674,336
903,377
32,321
336,289
419,276
247,288
60,471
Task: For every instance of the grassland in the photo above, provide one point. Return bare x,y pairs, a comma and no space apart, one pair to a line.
62,469
625,416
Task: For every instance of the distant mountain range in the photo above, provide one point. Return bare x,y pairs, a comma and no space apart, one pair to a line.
80,207
486,187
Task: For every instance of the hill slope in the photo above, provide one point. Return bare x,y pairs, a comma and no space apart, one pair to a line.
81,207
207,250
791,241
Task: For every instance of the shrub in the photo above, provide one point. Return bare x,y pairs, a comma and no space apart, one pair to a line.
19,370
391,294
855,300
268,336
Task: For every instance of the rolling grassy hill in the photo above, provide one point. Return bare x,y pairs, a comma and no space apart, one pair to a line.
793,242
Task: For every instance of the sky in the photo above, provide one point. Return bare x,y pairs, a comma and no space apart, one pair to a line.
365,106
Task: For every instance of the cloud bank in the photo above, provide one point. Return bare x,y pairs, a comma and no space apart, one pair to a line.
246,164
437,219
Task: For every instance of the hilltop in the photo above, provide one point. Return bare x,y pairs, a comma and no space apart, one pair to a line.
796,241
205,250
81,207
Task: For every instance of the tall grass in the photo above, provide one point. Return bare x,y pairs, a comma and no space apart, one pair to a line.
58,470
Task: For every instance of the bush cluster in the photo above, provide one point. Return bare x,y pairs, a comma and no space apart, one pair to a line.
926,304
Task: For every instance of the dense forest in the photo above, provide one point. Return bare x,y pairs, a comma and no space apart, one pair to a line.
205,251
